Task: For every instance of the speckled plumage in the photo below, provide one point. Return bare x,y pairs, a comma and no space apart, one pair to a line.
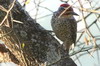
65,28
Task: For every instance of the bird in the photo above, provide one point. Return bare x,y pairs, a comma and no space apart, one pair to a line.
64,25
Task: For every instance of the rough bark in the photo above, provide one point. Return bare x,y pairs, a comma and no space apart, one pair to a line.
28,44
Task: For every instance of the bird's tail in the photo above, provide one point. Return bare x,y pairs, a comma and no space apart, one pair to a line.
67,45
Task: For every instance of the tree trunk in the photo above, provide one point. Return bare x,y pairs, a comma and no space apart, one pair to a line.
28,44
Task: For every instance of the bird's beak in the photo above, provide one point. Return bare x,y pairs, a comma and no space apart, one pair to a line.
73,13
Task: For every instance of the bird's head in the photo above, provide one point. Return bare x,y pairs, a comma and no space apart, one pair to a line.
66,10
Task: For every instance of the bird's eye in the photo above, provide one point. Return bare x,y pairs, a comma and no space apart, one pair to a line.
61,9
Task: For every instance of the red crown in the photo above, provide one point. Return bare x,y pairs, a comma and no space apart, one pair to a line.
64,5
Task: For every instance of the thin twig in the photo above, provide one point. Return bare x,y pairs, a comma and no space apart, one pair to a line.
8,11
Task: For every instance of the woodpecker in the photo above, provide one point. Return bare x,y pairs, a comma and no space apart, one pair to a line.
64,25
